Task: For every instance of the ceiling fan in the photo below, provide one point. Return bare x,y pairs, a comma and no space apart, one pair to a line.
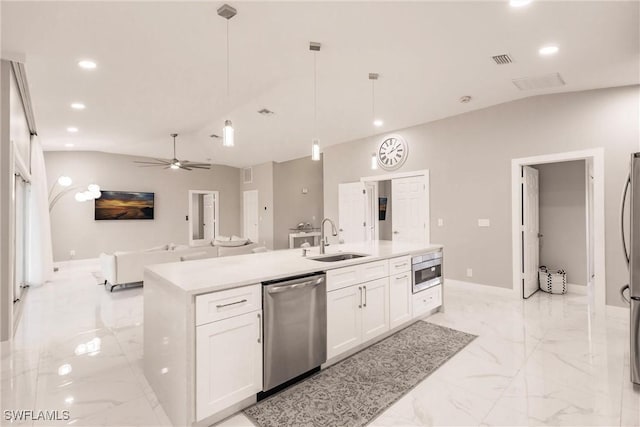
174,163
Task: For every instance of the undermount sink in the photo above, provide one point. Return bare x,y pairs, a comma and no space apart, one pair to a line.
338,257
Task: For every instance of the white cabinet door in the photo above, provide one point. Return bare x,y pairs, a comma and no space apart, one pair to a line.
375,308
344,320
399,299
352,203
410,204
228,362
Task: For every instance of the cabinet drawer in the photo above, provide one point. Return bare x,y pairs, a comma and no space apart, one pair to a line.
374,270
400,264
342,277
427,300
224,304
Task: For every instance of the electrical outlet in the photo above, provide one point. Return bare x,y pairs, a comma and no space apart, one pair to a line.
440,222
469,272
484,222
72,253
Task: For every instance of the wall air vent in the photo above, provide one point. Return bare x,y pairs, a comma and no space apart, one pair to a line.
266,112
502,59
247,175
539,82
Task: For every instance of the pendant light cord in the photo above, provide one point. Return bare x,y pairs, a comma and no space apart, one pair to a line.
315,95
227,61
174,147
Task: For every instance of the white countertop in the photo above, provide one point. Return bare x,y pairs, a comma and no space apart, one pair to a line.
215,274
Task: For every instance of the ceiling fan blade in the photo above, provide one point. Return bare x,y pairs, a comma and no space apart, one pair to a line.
150,163
184,167
197,164
152,166
199,167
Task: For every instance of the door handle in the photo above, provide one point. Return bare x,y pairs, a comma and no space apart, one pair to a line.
259,328
622,289
624,199
365,296
231,303
360,289
278,289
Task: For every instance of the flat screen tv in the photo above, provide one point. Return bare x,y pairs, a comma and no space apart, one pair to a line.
124,205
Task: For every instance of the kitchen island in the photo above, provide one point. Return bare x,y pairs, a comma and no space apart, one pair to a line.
203,319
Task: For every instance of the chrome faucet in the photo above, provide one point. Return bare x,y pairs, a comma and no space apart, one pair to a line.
334,232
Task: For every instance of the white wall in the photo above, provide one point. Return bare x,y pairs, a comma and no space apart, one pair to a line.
469,158
291,205
72,223
563,219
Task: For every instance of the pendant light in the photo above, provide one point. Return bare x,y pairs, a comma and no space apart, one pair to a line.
374,161
376,121
227,12
315,144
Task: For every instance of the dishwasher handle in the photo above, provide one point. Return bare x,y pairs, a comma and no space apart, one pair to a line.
284,288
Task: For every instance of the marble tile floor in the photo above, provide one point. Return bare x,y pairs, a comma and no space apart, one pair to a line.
545,361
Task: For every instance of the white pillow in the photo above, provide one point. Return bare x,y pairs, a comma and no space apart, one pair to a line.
229,243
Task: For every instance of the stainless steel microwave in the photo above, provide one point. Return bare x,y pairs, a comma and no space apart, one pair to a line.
427,270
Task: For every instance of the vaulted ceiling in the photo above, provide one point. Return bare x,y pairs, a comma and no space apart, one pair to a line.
161,68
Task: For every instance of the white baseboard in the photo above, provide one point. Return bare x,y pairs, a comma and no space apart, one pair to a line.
77,263
460,284
576,289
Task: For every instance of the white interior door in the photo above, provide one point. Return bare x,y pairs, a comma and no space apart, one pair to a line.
410,204
352,215
530,230
209,218
20,236
250,214
372,211
590,224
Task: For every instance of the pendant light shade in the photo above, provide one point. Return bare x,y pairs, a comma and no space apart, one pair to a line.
227,134
374,161
315,150
377,122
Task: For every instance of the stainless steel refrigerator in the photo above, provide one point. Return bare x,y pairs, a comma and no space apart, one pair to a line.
632,257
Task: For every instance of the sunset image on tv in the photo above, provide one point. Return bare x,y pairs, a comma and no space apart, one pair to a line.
124,205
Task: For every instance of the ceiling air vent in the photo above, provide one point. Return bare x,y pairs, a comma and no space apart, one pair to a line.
539,82
247,175
266,112
502,59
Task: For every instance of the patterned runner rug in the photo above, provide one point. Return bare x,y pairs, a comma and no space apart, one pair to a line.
356,390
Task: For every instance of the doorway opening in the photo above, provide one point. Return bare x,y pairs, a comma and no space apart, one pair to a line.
558,221
203,216
385,207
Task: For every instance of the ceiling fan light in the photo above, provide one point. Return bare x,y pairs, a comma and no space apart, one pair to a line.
174,166
315,150
227,134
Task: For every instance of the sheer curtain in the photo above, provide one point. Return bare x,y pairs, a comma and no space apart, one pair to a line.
40,254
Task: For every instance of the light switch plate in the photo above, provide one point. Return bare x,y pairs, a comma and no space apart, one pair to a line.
440,222
469,272
484,222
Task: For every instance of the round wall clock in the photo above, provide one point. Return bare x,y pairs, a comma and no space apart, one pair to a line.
392,152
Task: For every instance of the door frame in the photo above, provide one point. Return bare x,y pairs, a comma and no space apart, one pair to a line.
372,211
595,158
423,173
244,220
216,213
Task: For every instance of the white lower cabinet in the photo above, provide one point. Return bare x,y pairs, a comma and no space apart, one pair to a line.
228,362
356,314
427,300
400,306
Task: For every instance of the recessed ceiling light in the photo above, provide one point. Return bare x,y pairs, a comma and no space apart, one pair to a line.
72,129
87,64
548,50
377,123
78,106
519,3
68,145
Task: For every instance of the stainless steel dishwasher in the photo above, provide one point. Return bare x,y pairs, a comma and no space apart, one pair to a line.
295,328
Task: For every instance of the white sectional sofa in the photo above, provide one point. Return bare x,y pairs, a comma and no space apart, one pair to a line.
121,268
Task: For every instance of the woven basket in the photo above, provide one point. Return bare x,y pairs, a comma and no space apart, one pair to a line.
553,282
